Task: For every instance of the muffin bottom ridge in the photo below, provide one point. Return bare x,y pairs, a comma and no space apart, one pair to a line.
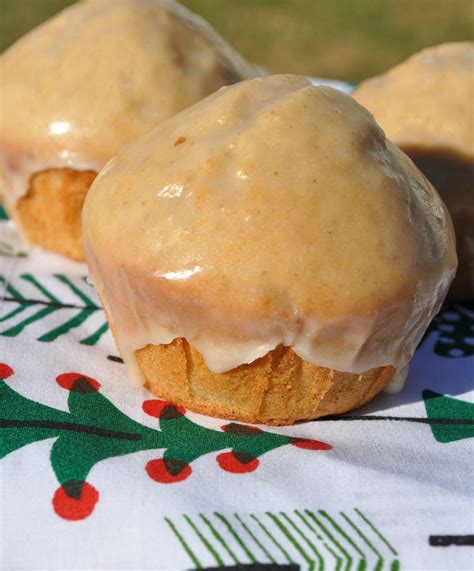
279,388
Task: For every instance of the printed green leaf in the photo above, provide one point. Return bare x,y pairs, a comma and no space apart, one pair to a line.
3,214
442,407
24,421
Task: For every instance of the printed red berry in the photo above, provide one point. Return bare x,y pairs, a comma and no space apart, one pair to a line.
77,383
237,462
5,371
162,409
308,444
168,470
75,500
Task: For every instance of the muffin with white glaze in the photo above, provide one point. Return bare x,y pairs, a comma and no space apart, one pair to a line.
426,106
81,86
267,254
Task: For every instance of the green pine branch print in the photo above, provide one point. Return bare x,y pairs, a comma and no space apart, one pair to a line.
94,430
291,540
46,303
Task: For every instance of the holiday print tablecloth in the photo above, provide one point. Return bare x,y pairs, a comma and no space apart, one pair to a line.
99,475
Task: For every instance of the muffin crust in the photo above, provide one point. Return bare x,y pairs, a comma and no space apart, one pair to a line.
278,388
50,211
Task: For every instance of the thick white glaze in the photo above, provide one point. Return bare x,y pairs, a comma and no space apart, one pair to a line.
101,73
272,212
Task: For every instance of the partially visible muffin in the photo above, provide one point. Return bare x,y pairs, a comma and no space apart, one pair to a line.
267,254
50,211
426,106
81,86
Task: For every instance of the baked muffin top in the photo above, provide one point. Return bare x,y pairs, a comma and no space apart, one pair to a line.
103,72
427,100
270,206
273,194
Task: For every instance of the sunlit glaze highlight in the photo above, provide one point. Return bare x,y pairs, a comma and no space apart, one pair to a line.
296,223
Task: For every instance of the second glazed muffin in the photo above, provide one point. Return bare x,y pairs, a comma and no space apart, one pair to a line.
267,254
81,86
426,106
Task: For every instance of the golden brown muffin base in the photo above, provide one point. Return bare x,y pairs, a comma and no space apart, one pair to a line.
50,211
279,388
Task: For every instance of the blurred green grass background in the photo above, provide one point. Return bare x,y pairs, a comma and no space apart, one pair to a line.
344,39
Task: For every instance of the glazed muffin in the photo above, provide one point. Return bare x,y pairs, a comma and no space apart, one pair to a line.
84,84
425,106
267,254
